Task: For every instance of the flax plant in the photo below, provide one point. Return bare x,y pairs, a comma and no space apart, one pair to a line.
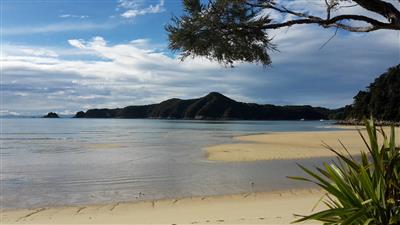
361,190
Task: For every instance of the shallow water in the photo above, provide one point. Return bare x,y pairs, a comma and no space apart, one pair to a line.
47,162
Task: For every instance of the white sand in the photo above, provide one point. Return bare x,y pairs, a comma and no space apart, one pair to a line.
288,145
256,208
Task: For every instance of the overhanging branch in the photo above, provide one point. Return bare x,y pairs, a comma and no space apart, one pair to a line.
383,8
336,21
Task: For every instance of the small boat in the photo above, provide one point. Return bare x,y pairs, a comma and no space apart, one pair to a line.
322,120
302,119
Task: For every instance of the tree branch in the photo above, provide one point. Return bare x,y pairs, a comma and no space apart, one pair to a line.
381,7
236,30
335,22
330,22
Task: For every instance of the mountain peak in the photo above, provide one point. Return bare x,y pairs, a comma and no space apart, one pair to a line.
215,94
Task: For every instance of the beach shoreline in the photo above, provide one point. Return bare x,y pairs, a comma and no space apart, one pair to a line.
289,145
276,207
273,207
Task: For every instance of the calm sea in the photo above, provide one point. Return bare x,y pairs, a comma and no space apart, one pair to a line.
47,162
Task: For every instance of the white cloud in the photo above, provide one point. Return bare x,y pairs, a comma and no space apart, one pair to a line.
76,43
57,27
134,8
116,75
82,44
38,52
129,4
141,43
98,42
5,112
73,16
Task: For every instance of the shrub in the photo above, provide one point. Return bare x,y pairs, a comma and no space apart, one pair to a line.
363,190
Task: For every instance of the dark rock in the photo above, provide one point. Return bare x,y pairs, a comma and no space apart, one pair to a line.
80,114
51,115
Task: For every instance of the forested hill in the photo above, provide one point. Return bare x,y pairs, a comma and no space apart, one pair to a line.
213,106
381,99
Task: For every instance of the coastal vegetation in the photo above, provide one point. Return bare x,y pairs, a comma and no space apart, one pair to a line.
360,191
381,100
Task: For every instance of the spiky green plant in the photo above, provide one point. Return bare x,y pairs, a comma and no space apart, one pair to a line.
363,190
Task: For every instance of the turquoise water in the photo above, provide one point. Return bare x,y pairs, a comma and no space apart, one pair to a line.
47,162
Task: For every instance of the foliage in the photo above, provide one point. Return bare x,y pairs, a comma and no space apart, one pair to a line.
236,30
340,113
382,98
364,191
227,30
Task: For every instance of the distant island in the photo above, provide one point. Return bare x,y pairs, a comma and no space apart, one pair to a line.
51,115
213,106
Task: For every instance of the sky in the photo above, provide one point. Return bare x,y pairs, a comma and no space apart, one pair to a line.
71,55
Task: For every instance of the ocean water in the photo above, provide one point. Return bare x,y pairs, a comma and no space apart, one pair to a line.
55,162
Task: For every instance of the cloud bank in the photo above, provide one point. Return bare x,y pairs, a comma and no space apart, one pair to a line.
96,73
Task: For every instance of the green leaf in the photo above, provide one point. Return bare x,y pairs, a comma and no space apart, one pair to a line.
360,191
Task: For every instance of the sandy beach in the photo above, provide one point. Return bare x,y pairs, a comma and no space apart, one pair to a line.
289,145
249,208
255,208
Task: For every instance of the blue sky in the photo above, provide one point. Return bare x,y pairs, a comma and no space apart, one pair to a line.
67,56
39,22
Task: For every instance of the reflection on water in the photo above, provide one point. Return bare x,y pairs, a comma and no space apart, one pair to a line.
79,161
